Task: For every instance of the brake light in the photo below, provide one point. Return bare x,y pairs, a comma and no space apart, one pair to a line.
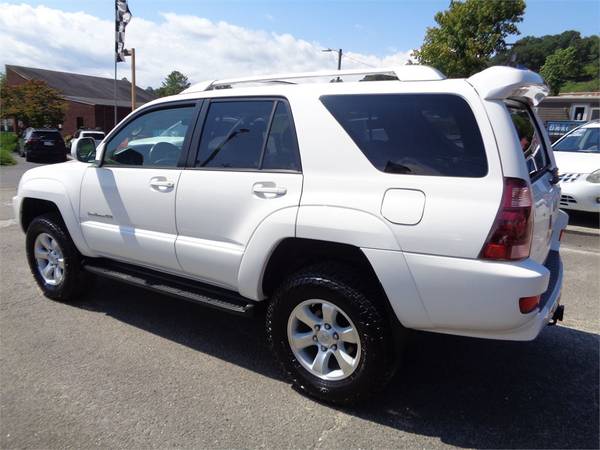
511,234
528,304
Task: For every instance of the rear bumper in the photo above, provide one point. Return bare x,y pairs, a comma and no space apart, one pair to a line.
471,297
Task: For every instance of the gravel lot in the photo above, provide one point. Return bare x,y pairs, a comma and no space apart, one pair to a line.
128,368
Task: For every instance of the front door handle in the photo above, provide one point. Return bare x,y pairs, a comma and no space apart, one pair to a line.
161,184
263,189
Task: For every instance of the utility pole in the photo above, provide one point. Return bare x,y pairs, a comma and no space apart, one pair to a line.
131,52
339,52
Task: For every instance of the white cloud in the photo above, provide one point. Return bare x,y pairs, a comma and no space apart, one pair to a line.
79,42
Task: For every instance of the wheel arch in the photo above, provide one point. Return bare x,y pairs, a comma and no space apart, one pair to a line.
41,196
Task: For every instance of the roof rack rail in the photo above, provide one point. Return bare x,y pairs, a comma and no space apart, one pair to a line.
410,72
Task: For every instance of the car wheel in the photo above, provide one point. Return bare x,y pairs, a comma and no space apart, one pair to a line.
330,334
28,158
54,259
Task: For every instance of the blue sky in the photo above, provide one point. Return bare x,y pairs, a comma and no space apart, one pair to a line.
222,39
375,27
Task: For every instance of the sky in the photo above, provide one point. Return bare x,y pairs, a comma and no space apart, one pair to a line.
226,38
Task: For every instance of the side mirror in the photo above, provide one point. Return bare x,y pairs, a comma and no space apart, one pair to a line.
84,149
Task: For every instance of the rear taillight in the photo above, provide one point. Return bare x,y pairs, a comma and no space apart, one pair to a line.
511,233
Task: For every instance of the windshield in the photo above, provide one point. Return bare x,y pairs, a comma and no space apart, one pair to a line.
97,136
584,140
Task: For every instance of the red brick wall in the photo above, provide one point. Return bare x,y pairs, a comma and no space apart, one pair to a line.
74,110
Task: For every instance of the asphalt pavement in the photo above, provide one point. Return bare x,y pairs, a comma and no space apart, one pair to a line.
129,368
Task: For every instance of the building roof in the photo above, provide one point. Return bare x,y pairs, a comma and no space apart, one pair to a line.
575,96
85,88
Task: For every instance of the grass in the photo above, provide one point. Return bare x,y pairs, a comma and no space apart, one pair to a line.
8,145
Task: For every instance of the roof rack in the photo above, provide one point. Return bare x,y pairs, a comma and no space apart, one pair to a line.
411,72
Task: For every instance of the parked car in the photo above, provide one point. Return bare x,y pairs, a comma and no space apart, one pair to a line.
42,144
578,159
354,210
96,135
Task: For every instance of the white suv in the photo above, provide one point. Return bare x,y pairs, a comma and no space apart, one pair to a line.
354,208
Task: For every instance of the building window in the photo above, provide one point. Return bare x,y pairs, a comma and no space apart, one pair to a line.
579,112
79,121
595,114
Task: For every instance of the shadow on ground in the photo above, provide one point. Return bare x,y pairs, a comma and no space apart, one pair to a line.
467,392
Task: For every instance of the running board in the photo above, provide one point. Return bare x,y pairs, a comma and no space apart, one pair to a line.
174,286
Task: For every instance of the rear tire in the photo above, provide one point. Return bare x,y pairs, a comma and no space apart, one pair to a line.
324,365
54,260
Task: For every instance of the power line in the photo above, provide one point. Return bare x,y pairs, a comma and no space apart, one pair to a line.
346,55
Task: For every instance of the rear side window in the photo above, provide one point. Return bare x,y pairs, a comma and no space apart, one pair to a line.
530,140
253,134
413,134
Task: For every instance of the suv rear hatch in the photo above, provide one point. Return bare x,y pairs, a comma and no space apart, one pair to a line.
542,175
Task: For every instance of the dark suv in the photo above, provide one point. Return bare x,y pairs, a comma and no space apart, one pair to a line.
43,144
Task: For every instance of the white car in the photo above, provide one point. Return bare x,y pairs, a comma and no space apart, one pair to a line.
96,135
577,156
354,210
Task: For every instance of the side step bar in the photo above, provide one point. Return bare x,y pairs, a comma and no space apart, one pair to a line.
174,286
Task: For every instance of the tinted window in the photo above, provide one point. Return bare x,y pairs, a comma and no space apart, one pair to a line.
281,151
585,140
142,143
413,134
234,134
51,135
529,139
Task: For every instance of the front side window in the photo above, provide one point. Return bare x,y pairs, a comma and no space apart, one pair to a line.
529,139
413,134
153,139
585,140
252,134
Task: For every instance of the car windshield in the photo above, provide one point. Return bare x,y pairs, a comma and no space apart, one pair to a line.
584,140
97,136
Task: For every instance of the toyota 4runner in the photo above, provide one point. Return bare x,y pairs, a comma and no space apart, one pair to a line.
355,205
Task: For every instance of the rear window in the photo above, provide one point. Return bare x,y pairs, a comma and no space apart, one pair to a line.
54,135
413,134
530,140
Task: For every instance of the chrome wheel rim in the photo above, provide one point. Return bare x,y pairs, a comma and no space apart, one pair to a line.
324,340
49,259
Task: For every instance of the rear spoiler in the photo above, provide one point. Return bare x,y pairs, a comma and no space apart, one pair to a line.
501,82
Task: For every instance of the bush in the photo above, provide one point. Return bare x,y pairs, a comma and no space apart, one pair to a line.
8,141
6,157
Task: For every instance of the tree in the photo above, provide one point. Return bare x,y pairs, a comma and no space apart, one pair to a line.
532,52
173,84
468,34
34,103
558,67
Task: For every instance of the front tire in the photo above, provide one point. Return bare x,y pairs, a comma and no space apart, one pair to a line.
330,335
54,260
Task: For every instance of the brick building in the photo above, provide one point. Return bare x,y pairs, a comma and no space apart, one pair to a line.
90,100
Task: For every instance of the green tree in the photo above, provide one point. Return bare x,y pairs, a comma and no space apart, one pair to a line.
468,34
532,52
558,67
173,84
34,103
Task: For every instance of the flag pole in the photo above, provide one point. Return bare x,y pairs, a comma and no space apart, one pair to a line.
115,56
